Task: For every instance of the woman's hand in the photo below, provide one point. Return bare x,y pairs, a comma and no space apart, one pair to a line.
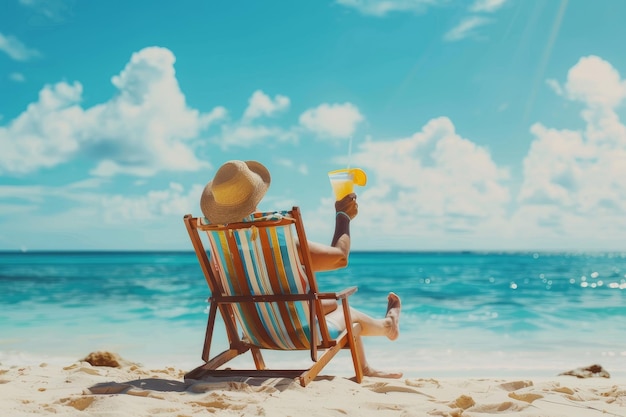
348,205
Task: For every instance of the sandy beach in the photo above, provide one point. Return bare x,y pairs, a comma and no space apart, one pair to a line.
79,389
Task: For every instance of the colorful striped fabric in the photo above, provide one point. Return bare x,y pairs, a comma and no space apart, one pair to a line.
269,264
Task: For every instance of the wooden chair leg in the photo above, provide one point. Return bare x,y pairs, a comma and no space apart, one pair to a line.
310,374
354,341
356,350
258,358
208,336
214,363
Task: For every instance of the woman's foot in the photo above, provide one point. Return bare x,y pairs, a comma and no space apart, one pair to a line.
393,314
367,371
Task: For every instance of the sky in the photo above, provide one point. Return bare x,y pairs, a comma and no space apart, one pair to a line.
481,124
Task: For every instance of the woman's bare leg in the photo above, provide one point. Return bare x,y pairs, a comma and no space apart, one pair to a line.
393,313
389,326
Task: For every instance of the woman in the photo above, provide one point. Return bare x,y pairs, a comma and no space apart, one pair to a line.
234,194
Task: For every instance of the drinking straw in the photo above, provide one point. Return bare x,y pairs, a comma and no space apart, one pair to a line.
349,150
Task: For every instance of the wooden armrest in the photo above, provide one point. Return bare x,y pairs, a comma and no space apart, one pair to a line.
337,295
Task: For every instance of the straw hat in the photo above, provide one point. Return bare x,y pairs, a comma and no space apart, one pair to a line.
235,191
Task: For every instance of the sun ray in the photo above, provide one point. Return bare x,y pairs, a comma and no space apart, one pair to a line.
547,52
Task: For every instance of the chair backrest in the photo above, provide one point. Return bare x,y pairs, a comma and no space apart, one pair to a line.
267,255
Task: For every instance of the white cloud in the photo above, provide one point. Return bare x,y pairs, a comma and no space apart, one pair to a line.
46,134
89,183
486,6
580,172
151,219
248,131
109,168
575,181
466,28
332,120
140,131
16,49
594,81
49,11
432,182
555,86
17,77
25,193
261,104
468,25
551,170
303,169
170,202
244,136
289,163
383,7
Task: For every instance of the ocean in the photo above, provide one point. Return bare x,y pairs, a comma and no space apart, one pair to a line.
463,314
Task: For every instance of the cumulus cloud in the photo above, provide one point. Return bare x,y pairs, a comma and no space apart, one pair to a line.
580,175
552,171
145,128
435,187
260,104
434,179
332,120
46,134
592,81
327,121
250,130
465,28
14,48
595,82
383,7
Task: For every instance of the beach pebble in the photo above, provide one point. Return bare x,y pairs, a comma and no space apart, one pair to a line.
464,402
588,372
103,359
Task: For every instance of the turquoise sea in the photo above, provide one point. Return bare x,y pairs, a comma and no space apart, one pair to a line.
464,314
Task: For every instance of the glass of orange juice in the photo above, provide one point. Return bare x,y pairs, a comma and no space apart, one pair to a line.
343,181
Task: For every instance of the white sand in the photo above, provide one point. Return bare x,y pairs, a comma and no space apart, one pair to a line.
80,389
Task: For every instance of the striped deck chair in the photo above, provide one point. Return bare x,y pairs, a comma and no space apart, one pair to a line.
263,286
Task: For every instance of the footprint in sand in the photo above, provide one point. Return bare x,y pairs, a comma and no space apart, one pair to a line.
528,397
515,385
80,403
384,388
507,406
563,390
422,382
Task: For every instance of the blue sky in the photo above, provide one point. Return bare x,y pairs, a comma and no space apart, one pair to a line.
482,124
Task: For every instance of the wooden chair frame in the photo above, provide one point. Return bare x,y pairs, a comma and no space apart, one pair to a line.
224,304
